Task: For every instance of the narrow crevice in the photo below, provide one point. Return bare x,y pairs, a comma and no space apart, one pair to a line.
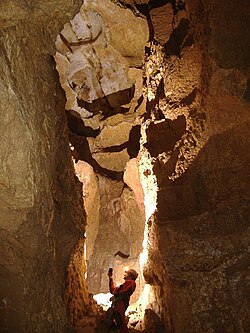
158,3
246,95
175,43
178,5
139,103
114,149
77,126
144,9
170,131
134,141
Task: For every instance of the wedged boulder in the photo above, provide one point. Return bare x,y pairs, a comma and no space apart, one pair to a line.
115,161
92,71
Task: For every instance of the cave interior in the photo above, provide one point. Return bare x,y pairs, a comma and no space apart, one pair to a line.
125,144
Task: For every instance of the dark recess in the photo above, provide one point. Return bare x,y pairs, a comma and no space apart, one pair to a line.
178,39
76,125
163,136
246,95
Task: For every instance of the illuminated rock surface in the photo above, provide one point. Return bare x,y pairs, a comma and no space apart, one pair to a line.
198,135
176,113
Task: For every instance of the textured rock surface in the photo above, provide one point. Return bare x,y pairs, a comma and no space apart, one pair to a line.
127,33
102,87
97,52
197,136
91,199
120,229
93,50
41,219
118,219
162,21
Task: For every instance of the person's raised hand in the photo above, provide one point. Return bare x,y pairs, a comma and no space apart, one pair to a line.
110,273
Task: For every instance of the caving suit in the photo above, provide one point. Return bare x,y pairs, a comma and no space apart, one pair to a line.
122,296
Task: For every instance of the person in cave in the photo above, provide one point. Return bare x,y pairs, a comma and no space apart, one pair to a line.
121,297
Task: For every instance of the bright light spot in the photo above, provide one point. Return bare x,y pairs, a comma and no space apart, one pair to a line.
145,297
150,189
148,180
151,95
71,147
85,256
144,254
103,300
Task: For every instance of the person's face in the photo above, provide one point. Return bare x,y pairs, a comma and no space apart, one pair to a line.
126,275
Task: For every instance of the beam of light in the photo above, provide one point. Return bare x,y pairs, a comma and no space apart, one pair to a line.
150,188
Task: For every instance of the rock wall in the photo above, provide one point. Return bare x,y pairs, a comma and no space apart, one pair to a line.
197,138
41,216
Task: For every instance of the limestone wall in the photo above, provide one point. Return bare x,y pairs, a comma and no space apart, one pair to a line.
41,219
197,135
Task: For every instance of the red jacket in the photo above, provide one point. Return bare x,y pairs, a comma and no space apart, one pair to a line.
123,292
